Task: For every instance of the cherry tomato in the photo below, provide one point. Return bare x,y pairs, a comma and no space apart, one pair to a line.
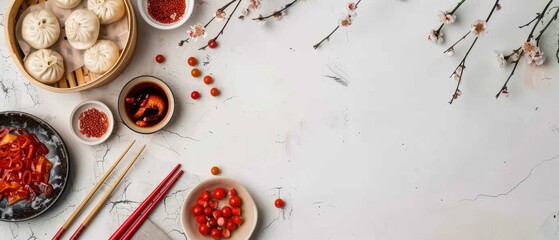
235,201
221,221
279,203
216,233
192,61
205,196
195,95
213,204
236,211
160,58
232,192
208,79
204,229
225,233
195,72
219,193
231,225
212,43
226,211
215,170
197,210
201,219
214,92
238,220
216,214
202,203
208,211
212,222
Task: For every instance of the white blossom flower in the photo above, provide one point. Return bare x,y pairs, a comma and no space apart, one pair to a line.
435,37
278,15
449,52
514,57
345,21
500,57
254,4
245,12
498,7
446,17
219,15
530,46
457,94
458,73
479,28
197,31
536,56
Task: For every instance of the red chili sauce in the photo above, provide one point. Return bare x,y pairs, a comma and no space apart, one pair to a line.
166,11
93,123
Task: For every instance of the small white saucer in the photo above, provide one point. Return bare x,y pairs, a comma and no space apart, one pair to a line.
75,122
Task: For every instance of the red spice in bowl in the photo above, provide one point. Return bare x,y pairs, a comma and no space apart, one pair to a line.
166,11
93,123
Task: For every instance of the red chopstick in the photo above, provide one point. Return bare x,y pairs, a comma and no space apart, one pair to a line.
136,218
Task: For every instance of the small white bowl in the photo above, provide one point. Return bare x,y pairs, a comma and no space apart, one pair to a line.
248,208
75,122
143,7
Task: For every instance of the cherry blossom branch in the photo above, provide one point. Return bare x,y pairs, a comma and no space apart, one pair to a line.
224,25
262,18
462,64
504,88
211,20
451,13
335,29
553,18
528,24
451,48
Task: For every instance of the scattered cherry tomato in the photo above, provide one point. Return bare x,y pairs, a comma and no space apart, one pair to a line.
160,58
216,233
208,79
215,170
204,229
225,233
235,201
238,220
219,193
195,72
214,92
195,95
212,43
197,210
279,203
192,61
231,225
205,196
208,211
226,211
212,222
201,219
236,211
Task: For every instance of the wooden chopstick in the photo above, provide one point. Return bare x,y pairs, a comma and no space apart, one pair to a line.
105,197
72,217
150,199
144,216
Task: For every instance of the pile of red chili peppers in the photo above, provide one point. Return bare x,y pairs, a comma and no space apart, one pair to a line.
24,169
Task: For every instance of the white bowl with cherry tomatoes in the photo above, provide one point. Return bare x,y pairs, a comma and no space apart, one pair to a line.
219,208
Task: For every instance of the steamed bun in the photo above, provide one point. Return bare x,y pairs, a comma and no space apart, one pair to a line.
45,65
67,3
40,29
101,57
108,11
82,29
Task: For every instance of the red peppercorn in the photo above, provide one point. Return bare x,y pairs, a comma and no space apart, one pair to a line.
160,58
214,92
195,95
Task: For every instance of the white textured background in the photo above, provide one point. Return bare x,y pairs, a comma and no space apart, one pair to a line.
385,157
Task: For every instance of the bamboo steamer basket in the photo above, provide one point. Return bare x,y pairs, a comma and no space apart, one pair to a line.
80,79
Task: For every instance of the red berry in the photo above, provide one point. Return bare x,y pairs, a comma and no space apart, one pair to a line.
232,192
214,92
279,203
204,229
195,95
197,210
195,72
212,43
216,233
216,214
238,220
236,211
208,80
201,219
226,211
221,221
235,201
213,204
231,225
205,195
202,203
219,193
225,233
213,222
208,211
160,58
192,61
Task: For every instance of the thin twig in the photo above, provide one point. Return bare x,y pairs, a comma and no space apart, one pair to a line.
335,29
463,62
546,26
224,25
528,24
208,23
262,18
459,40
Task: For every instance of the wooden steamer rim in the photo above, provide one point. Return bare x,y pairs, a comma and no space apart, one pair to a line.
77,80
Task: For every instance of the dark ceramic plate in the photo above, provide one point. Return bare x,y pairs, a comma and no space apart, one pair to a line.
58,155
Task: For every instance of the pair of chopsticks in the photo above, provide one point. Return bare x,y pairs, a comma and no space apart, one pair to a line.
92,214
135,220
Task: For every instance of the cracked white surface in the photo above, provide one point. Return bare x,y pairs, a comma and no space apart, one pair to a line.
357,137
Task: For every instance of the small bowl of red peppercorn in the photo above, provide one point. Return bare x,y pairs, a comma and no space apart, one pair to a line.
219,208
166,15
91,122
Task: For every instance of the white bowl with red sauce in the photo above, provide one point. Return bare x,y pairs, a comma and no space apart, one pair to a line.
166,15
91,122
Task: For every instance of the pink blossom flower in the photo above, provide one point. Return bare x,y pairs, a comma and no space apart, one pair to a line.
197,31
458,73
479,28
345,21
536,56
245,12
219,15
445,17
254,4
351,7
435,37
278,15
